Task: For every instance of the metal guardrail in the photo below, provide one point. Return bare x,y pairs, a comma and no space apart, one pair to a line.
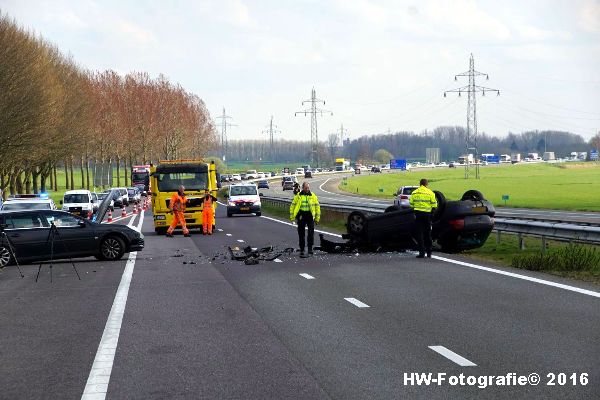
544,229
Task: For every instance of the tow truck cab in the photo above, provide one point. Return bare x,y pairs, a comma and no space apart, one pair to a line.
166,177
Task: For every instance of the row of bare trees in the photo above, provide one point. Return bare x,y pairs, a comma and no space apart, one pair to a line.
56,114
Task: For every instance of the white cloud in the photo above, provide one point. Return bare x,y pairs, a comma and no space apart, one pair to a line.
590,16
132,32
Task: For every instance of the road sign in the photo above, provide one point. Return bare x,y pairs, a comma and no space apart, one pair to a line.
493,159
594,155
398,164
505,198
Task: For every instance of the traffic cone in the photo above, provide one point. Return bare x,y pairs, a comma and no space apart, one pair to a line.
145,205
109,216
135,211
123,213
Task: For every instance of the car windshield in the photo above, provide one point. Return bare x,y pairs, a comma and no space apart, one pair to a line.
76,198
102,196
25,206
170,182
408,190
140,177
131,192
243,190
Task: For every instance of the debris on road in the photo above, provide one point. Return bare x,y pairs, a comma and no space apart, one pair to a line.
253,255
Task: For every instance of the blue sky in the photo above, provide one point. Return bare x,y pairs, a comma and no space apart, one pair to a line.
378,64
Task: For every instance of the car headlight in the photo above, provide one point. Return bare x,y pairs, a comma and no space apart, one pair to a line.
160,217
65,208
231,203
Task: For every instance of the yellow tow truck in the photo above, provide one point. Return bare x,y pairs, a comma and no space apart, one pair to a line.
195,175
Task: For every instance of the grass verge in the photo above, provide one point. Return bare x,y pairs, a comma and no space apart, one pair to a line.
549,186
575,261
283,213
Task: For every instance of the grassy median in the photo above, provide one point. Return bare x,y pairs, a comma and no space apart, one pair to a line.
568,186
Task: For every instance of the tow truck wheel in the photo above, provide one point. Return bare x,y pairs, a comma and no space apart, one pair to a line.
160,231
356,223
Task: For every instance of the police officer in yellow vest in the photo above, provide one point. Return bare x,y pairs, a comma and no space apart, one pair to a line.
423,202
305,209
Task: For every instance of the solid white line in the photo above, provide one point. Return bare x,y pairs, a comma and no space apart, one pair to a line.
97,383
482,268
132,220
372,199
519,276
290,224
452,356
356,302
307,276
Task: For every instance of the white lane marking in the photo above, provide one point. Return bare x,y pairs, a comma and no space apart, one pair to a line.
130,224
290,224
228,234
240,240
519,276
356,302
372,199
97,383
277,260
480,267
307,276
452,356
220,230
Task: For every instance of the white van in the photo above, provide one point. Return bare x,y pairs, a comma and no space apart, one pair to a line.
243,199
299,171
251,174
78,202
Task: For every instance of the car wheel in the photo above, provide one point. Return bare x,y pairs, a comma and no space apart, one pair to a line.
392,209
441,200
356,223
472,194
112,248
258,214
5,257
229,215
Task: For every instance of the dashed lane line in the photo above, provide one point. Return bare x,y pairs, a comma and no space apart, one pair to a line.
97,383
307,276
240,240
356,302
452,356
228,234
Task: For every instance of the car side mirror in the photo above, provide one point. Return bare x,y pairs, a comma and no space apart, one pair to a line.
82,224
260,194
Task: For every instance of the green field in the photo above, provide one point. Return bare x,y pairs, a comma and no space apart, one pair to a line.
552,186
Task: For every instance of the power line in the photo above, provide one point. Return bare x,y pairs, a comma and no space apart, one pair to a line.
471,89
224,126
272,129
314,136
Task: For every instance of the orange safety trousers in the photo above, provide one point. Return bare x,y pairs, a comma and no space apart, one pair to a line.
178,219
208,215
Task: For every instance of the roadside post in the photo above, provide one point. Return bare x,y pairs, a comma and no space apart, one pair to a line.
505,198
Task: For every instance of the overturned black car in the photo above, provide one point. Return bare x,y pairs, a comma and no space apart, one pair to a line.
457,225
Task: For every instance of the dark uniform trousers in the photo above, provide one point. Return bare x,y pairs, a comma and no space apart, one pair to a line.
423,231
304,219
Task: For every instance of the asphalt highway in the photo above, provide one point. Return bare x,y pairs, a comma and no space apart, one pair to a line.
325,187
192,323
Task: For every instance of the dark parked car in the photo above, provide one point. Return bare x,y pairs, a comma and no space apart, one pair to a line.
29,231
263,184
244,176
308,174
457,225
376,169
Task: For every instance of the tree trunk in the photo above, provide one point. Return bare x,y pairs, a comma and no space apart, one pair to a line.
72,174
2,185
55,178
118,171
27,182
34,178
87,172
51,174
19,182
127,170
12,182
66,175
81,171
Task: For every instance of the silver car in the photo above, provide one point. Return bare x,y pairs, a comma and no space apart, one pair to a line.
402,197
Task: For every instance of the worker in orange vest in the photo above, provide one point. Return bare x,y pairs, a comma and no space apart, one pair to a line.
177,206
208,213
